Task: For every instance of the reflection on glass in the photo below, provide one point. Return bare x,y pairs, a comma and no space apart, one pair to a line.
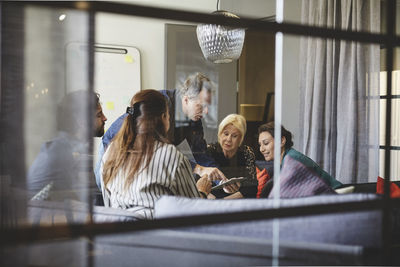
363,16
56,125
334,123
339,116
62,167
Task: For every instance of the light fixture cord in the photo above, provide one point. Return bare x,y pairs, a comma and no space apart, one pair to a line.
217,5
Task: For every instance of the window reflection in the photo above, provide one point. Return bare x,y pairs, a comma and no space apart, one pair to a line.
330,125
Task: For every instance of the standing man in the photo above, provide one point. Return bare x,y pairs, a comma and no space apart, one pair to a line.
186,108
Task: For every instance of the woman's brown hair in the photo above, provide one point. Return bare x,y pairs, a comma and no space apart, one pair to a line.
134,143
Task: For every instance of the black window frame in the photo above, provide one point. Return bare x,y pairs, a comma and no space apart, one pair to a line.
389,39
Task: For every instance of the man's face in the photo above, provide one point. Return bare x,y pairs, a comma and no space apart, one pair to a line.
195,107
100,120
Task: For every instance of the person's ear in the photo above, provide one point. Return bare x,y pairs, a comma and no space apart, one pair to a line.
283,141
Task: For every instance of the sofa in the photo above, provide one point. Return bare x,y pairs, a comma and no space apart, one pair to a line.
361,228
346,238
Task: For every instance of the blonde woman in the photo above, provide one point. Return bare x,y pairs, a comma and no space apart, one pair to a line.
233,158
140,165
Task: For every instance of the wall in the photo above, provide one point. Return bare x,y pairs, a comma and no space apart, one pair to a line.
145,34
45,45
291,56
149,36
250,9
291,52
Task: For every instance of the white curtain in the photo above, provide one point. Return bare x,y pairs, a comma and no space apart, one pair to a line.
339,89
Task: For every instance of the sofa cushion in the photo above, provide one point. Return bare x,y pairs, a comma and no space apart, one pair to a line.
394,188
349,228
345,190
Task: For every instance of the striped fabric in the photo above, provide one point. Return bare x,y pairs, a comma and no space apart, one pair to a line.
169,173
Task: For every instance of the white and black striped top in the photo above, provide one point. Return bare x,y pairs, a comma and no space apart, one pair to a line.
169,173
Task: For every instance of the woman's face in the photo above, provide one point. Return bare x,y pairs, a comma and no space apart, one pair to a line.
266,142
230,139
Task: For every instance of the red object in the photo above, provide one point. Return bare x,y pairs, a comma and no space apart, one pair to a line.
262,177
394,188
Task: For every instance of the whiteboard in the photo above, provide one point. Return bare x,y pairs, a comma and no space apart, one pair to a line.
116,77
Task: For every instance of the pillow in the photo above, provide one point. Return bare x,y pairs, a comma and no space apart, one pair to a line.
345,190
300,180
262,177
394,188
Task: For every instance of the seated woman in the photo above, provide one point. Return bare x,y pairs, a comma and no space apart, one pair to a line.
300,176
140,166
233,158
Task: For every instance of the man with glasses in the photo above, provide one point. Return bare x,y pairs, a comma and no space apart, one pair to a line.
195,97
185,116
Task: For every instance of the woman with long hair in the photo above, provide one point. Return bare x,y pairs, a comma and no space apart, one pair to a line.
140,165
300,176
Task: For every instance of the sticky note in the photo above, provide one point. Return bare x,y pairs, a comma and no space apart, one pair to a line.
128,59
110,105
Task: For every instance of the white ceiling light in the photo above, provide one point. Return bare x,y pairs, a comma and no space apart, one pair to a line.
220,44
62,17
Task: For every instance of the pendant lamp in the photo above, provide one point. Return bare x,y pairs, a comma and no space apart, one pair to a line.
220,44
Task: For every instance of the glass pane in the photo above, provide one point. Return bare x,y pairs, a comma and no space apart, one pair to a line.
395,135
340,127
397,29
57,106
343,14
394,164
49,113
395,138
395,74
330,104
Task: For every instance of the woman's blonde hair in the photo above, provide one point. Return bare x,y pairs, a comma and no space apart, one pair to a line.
135,141
238,121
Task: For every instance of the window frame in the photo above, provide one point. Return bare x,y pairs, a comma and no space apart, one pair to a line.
388,39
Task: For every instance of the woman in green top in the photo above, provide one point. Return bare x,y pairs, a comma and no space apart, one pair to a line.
300,175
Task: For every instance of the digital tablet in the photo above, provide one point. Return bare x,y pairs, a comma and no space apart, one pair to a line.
230,181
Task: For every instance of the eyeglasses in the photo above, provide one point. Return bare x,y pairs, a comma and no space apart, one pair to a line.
197,101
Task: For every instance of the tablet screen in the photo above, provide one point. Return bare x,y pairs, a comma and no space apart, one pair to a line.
230,181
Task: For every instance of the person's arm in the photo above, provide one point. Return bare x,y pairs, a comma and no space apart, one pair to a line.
234,196
198,145
113,130
184,182
204,186
97,173
105,142
214,174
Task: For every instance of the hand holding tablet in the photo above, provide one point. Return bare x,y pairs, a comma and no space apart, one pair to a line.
230,181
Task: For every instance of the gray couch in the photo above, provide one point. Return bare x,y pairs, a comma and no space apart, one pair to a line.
352,238
360,228
347,238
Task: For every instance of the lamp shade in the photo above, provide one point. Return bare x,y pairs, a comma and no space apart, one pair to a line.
220,44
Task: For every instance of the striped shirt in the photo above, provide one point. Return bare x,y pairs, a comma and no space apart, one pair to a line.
169,173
